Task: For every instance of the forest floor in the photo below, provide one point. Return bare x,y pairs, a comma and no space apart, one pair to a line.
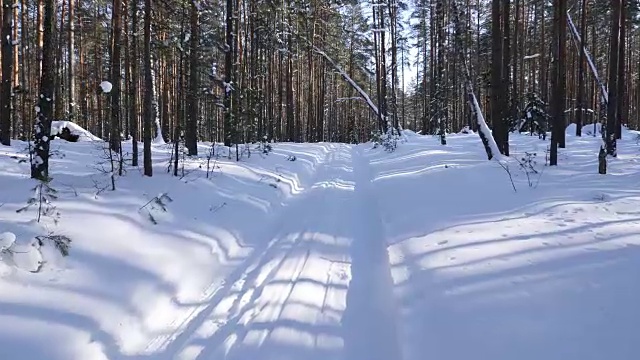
346,252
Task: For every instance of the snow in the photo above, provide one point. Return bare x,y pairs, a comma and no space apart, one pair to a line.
587,129
75,129
348,252
106,87
6,240
27,257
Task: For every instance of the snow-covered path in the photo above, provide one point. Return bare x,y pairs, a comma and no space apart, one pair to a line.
321,290
333,251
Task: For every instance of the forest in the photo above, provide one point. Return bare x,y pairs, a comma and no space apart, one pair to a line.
319,179
240,71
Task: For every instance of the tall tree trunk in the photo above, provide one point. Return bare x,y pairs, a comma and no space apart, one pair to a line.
133,85
44,110
229,120
497,57
191,134
614,54
148,90
506,98
561,96
7,73
71,61
115,126
581,96
621,116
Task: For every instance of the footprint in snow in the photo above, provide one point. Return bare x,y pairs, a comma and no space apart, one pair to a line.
444,242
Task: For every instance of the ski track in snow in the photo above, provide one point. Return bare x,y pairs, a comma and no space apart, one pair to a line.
322,289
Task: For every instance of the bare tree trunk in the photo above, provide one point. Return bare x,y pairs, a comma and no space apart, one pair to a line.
191,135
7,73
42,128
115,126
614,55
148,90
581,61
133,85
71,61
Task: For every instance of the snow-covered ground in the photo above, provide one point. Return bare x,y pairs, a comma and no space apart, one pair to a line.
348,252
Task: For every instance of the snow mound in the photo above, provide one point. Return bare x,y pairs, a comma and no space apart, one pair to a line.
586,129
409,133
84,135
466,130
26,257
6,240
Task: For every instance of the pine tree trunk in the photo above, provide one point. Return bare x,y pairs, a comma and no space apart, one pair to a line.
133,85
148,90
620,116
581,98
191,135
612,108
7,73
71,61
497,57
229,123
42,128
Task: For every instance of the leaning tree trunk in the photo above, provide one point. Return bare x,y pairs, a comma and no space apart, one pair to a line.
490,145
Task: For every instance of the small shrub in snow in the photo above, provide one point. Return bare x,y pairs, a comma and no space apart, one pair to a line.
111,164
388,140
505,166
61,242
31,257
264,146
43,196
178,154
210,154
535,116
214,209
528,165
156,205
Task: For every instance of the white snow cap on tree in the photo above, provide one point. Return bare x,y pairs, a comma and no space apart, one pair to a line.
106,86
